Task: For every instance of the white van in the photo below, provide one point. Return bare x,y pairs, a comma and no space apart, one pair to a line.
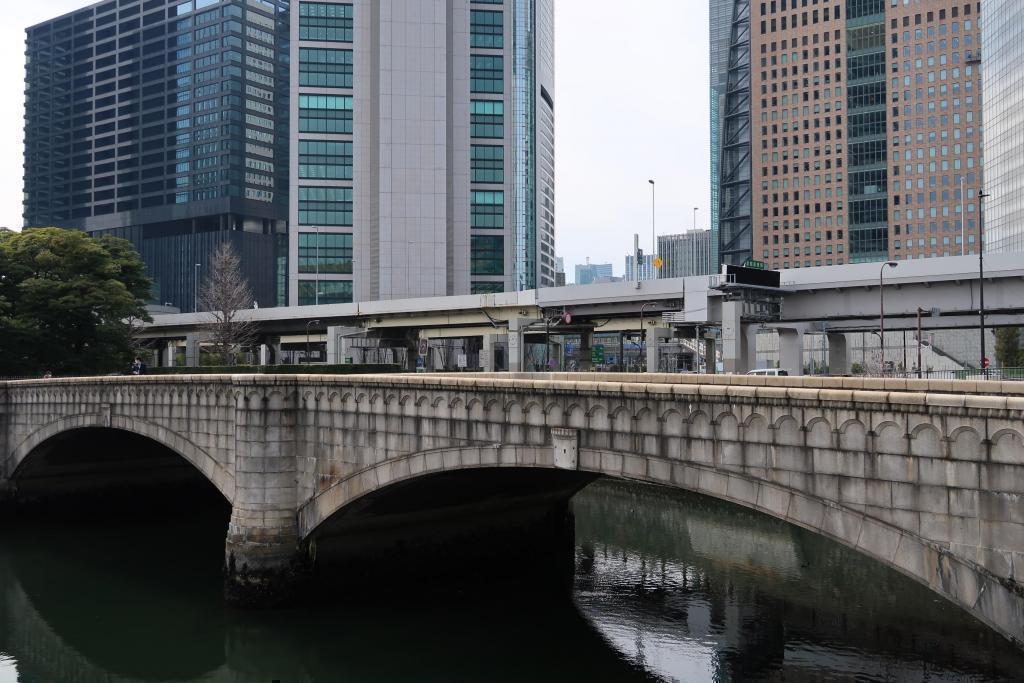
770,372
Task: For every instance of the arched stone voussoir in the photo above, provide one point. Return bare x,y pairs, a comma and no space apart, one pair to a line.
215,472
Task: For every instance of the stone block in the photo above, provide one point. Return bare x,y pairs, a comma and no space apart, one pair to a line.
878,493
686,477
879,540
774,499
999,507
842,524
742,490
634,466
659,470
1002,535
1005,478
956,473
896,468
612,463
964,502
914,557
824,486
932,499
806,512
852,491
715,483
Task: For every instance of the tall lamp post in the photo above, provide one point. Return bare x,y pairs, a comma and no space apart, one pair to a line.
654,239
311,322
981,278
881,308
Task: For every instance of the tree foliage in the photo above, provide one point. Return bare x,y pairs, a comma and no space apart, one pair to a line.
1008,352
66,301
225,292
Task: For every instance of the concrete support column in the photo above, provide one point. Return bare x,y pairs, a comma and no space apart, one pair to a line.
170,353
739,341
339,343
656,336
264,354
838,358
192,350
516,343
710,355
263,564
586,344
488,360
791,351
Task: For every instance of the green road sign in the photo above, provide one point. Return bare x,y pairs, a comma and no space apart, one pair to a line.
751,263
597,354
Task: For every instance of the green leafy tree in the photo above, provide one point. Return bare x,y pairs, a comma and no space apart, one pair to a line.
1008,352
68,302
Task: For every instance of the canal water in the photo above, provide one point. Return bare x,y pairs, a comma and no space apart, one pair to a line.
668,587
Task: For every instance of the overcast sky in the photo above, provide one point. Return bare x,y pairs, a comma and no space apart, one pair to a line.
631,104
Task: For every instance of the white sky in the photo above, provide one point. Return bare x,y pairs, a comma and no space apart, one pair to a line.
631,103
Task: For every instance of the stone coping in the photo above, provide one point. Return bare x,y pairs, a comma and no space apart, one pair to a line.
992,395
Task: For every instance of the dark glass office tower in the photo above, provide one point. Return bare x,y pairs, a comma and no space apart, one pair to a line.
165,122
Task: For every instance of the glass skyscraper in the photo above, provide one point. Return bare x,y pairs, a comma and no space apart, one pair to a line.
165,122
1003,76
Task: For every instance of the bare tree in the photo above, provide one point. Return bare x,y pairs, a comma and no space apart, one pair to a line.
225,292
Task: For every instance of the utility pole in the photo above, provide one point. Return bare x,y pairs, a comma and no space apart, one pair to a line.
981,278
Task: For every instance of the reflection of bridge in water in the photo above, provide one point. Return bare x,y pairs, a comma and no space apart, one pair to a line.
667,571
924,477
74,609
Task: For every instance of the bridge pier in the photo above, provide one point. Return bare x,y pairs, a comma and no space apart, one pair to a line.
262,557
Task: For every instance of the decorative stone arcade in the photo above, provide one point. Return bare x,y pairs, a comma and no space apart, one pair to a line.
926,477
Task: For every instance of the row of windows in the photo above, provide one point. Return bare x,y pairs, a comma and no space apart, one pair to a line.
487,255
486,29
325,114
325,253
325,206
325,160
325,22
487,119
324,68
487,209
324,292
487,163
487,74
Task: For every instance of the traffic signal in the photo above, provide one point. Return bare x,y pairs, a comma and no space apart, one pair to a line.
984,363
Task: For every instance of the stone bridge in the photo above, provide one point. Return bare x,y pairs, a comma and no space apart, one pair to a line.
926,477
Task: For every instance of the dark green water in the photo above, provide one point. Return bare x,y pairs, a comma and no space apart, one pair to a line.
668,587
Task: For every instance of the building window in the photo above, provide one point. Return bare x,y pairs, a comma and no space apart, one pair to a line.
485,29
487,210
487,119
325,114
486,288
325,21
331,292
487,74
325,160
325,206
325,68
487,164
487,255
332,256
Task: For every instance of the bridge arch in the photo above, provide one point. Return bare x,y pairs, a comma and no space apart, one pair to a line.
216,473
959,580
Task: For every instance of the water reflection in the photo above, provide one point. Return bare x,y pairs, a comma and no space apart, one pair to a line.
693,589
668,586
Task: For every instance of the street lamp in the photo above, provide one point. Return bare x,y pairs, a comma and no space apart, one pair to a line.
981,278
195,290
311,322
881,308
654,239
